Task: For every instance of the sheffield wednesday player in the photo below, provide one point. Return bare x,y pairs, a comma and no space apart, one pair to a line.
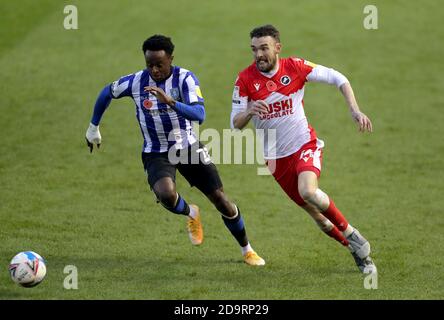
167,99
270,92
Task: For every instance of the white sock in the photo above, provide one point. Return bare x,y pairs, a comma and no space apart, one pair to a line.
246,249
193,213
348,231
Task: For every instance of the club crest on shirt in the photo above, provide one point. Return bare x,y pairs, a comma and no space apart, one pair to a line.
174,92
285,80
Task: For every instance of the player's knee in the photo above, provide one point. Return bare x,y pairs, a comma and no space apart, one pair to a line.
308,193
167,195
222,204
225,207
168,199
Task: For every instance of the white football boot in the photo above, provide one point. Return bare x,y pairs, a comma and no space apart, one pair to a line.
360,250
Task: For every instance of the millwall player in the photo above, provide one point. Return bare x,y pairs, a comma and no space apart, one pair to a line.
167,99
270,92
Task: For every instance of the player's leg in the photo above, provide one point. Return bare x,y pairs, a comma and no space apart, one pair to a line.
311,194
230,215
324,224
165,191
308,169
285,172
204,176
288,180
161,178
234,222
298,176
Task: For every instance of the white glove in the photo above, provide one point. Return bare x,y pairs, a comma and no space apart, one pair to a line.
93,136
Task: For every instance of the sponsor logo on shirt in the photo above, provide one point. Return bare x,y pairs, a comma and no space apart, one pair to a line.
156,112
278,109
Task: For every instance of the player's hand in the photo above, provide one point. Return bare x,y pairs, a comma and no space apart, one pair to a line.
160,95
362,120
257,108
93,137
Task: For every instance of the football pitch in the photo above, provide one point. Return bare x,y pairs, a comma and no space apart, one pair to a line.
95,211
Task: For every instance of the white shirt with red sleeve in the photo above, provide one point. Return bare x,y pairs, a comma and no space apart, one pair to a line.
284,93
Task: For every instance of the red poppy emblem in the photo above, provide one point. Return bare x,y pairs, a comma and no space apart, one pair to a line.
271,86
147,104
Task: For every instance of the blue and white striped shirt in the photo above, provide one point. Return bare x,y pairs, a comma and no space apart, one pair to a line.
161,126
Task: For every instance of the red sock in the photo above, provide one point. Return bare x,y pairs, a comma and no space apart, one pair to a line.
335,216
338,236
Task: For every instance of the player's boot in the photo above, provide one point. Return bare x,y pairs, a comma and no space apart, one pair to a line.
360,250
365,265
253,259
358,245
194,226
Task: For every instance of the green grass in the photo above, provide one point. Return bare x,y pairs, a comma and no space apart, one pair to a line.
95,211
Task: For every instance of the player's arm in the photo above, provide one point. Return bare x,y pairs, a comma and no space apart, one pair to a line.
195,111
243,110
330,76
118,89
240,116
359,117
93,133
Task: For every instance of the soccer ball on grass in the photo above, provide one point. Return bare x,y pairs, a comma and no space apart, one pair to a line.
27,269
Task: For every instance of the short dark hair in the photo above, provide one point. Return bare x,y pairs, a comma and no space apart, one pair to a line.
266,30
158,42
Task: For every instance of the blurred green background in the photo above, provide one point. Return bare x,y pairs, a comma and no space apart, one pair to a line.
95,211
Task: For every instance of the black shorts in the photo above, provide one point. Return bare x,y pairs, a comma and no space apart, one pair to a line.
193,164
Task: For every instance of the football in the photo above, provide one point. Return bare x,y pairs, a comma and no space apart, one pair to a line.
27,269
